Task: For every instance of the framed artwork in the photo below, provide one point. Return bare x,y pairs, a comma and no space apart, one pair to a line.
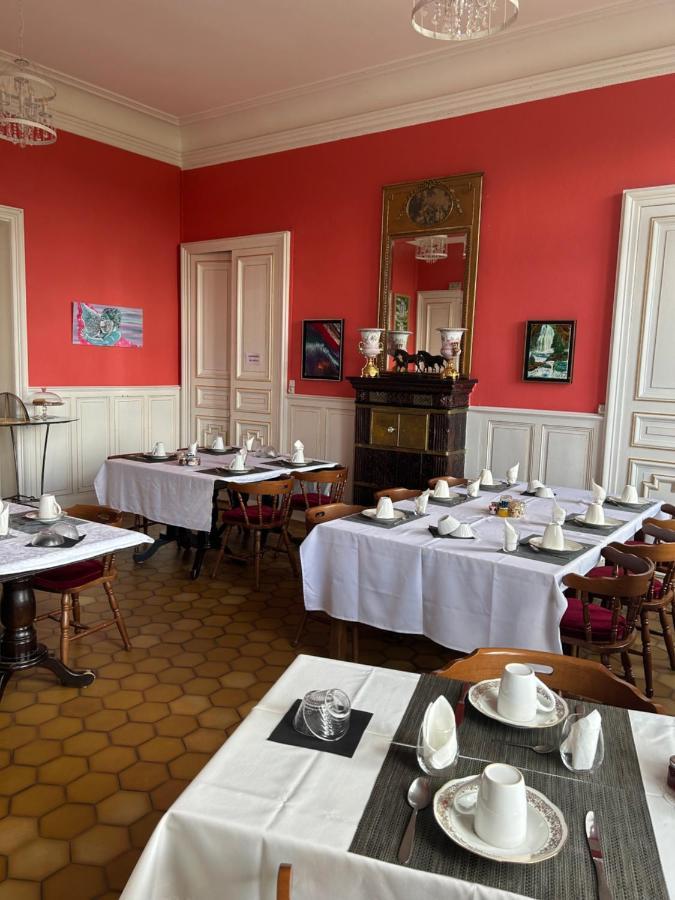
549,351
322,348
107,326
401,312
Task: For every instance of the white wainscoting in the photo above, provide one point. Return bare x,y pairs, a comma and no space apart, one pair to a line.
110,420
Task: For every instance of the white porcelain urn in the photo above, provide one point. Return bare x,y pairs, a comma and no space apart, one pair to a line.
451,349
398,340
371,346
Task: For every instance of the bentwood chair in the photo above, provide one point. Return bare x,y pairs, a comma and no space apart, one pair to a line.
78,578
269,513
396,494
319,487
607,627
452,481
284,881
570,675
316,516
661,597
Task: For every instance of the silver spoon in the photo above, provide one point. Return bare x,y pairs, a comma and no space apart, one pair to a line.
419,796
537,748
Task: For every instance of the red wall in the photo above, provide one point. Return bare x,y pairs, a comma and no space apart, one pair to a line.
101,225
554,173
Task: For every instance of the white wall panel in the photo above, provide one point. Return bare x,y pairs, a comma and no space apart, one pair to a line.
128,424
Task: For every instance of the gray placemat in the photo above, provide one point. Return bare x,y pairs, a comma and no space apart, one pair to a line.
409,515
453,501
226,472
28,526
141,457
495,488
614,792
524,549
628,507
571,525
279,461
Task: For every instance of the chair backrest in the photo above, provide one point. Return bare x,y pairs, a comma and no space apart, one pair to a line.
104,515
568,674
398,493
623,594
284,880
666,527
668,509
316,515
452,481
275,495
311,482
662,554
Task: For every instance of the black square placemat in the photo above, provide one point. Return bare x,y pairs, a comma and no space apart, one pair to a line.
141,457
284,733
572,525
225,472
448,501
409,515
628,507
525,549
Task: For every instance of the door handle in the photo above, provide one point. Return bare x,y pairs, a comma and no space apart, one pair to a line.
391,429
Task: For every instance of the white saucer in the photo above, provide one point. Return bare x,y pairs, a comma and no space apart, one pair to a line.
372,514
297,465
244,471
453,495
483,697
608,523
500,485
50,521
568,547
157,455
546,826
628,502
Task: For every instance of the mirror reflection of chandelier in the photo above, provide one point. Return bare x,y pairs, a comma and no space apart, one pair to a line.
432,248
462,20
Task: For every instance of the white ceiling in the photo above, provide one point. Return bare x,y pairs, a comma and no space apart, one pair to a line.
194,61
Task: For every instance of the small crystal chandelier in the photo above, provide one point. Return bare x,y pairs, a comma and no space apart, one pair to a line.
432,248
25,118
462,20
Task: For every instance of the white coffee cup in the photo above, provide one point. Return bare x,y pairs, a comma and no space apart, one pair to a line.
158,449
447,525
544,491
237,463
48,508
553,537
218,443
519,699
629,494
500,806
385,508
441,489
486,477
595,514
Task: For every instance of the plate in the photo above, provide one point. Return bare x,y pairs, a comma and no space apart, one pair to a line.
483,697
307,462
546,826
608,523
372,514
500,485
37,518
569,546
452,497
244,471
157,456
621,502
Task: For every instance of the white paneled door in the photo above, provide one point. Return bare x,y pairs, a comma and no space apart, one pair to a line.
640,438
436,309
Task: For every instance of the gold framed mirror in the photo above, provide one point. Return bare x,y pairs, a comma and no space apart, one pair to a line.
428,261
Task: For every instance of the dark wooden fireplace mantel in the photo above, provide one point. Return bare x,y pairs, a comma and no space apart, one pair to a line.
409,428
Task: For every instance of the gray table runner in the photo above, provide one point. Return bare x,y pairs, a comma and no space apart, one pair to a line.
614,792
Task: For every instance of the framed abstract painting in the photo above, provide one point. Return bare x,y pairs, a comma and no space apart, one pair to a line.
107,326
322,349
549,351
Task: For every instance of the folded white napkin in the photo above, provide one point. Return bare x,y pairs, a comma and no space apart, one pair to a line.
298,452
447,524
553,537
595,514
544,491
385,508
421,502
441,488
558,515
510,537
486,477
248,441
239,461
439,735
629,494
218,443
599,493
512,474
473,487
4,518
582,741
192,449
534,485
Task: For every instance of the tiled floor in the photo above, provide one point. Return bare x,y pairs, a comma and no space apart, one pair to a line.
87,774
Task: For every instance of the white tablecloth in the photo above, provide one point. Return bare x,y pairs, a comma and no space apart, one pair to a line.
258,804
173,494
17,555
461,594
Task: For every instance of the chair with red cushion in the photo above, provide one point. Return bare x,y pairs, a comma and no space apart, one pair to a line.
78,578
319,487
269,513
608,626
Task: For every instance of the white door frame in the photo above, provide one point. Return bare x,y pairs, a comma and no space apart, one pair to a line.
633,201
282,239
17,263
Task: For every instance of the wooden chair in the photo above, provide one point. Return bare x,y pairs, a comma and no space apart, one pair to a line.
311,483
452,481
268,514
284,881
661,596
78,578
570,675
396,494
669,510
610,626
316,516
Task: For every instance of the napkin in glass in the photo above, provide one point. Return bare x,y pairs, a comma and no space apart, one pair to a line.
439,734
4,518
422,501
441,489
599,493
473,488
486,477
582,741
249,441
298,452
512,474
558,515
510,537
192,449
239,461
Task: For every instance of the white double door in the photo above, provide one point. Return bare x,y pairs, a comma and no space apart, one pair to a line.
640,433
234,338
436,309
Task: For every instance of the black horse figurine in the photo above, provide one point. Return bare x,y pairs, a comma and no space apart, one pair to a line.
426,362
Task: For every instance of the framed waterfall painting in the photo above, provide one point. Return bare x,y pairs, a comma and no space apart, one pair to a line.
322,348
549,351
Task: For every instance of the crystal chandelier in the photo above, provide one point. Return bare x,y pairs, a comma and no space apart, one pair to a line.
25,118
432,248
462,20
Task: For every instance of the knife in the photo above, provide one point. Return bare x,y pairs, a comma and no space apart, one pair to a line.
459,708
594,846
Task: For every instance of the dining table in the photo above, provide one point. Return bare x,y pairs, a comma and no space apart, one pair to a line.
184,498
337,814
460,593
20,561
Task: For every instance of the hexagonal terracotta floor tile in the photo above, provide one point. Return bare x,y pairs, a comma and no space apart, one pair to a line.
100,844
38,858
123,808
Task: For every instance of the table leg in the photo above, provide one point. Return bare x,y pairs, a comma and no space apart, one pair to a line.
44,460
19,647
169,537
338,639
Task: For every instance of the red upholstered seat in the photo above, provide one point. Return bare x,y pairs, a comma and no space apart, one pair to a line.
572,622
236,516
69,578
313,499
